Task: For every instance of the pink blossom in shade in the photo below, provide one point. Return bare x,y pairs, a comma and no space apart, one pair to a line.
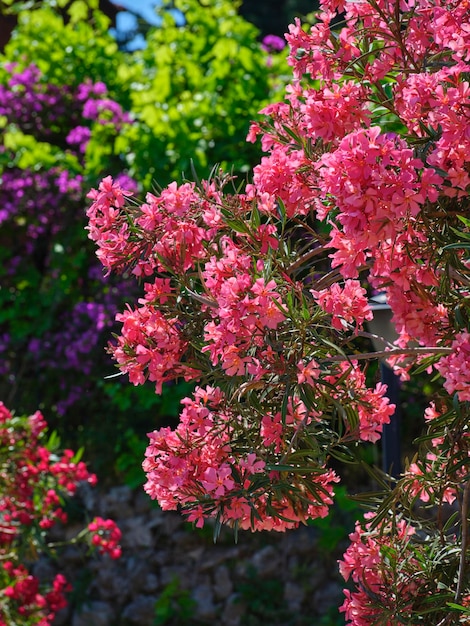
272,431
363,563
374,411
308,373
372,405
6,415
218,481
252,464
55,598
431,413
195,467
325,480
105,536
176,461
196,515
429,479
238,508
346,304
455,368
417,318
296,413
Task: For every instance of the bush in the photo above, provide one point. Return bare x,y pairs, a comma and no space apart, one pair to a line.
260,295
36,479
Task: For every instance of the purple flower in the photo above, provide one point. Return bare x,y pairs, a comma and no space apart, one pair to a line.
273,43
80,135
89,89
105,111
128,183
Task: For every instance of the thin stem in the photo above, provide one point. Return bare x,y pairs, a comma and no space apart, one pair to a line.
388,353
463,551
363,333
306,257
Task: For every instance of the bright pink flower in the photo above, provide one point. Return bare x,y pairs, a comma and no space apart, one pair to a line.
455,368
346,305
219,480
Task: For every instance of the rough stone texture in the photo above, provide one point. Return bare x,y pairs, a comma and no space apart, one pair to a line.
94,614
276,579
141,611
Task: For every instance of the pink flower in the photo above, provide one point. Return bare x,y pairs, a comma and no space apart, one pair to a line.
346,305
309,373
105,536
218,480
455,368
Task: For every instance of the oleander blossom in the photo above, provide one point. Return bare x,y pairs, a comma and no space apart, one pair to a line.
105,537
347,305
455,368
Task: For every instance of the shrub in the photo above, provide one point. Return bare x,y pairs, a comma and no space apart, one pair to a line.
36,479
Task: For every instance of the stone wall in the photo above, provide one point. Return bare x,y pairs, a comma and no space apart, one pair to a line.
172,571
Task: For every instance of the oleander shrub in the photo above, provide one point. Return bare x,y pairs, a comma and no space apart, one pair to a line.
260,295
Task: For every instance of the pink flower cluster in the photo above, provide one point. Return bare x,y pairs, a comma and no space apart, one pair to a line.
105,536
244,292
216,305
24,475
383,593
377,184
26,603
197,466
455,368
347,304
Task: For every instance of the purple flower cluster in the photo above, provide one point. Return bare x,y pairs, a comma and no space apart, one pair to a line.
57,113
35,202
79,136
57,308
35,106
73,350
105,111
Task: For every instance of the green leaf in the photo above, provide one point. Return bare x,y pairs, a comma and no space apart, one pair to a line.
78,10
